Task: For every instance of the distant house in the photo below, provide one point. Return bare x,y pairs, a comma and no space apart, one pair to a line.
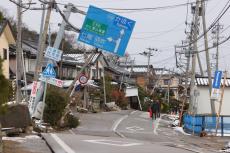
139,75
29,55
167,80
6,39
71,64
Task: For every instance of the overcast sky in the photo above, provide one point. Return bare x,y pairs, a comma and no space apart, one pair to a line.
160,29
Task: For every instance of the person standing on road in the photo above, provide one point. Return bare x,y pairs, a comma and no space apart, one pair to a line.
154,110
158,104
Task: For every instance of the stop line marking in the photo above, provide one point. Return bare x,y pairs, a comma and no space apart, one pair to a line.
113,143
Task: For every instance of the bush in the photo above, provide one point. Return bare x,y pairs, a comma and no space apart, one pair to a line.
56,101
72,121
164,107
4,89
119,98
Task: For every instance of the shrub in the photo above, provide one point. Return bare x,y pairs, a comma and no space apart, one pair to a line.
4,89
56,101
72,121
119,98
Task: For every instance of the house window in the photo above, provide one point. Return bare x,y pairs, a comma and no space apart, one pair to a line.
4,54
167,81
100,73
94,73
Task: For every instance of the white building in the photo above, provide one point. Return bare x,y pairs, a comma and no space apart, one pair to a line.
202,103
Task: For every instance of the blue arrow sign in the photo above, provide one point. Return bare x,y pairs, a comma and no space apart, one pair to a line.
49,71
217,80
107,31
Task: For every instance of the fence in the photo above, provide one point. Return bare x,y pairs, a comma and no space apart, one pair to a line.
198,123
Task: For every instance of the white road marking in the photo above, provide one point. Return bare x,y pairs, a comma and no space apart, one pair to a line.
116,124
133,112
134,128
62,144
156,126
113,143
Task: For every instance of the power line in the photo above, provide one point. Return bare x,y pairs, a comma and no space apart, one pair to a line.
210,27
29,7
160,33
139,9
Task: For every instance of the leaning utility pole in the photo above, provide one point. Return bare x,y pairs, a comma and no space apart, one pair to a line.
207,57
40,58
194,57
216,32
19,52
148,54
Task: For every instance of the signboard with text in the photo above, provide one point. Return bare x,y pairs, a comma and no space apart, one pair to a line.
32,102
53,81
53,53
107,31
216,85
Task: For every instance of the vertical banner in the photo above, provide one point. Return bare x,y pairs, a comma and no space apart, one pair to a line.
216,85
31,106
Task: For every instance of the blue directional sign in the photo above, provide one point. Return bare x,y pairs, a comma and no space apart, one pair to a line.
217,80
49,71
106,30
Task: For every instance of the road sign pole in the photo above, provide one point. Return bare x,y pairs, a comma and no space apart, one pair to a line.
221,101
43,102
73,84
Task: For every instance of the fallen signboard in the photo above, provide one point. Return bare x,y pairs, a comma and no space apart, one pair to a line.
53,81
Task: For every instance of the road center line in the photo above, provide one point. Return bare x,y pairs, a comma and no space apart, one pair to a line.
62,144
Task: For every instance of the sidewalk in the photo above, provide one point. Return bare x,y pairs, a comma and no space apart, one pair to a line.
25,144
184,140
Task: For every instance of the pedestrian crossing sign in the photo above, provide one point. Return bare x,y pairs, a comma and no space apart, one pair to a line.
49,71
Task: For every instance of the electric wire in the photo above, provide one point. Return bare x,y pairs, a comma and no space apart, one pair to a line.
28,8
138,9
210,27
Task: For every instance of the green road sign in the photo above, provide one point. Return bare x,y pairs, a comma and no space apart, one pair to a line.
96,27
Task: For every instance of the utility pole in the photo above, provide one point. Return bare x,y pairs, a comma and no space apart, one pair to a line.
40,57
19,52
148,54
207,57
61,31
194,57
188,55
39,42
197,32
216,31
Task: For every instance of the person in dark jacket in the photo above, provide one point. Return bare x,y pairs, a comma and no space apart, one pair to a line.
158,103
154,109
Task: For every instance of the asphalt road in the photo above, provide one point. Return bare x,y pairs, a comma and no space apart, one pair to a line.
124,132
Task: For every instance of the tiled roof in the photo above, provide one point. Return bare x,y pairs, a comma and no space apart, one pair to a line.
204,82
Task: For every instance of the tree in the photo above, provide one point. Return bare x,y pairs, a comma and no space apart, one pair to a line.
4,94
